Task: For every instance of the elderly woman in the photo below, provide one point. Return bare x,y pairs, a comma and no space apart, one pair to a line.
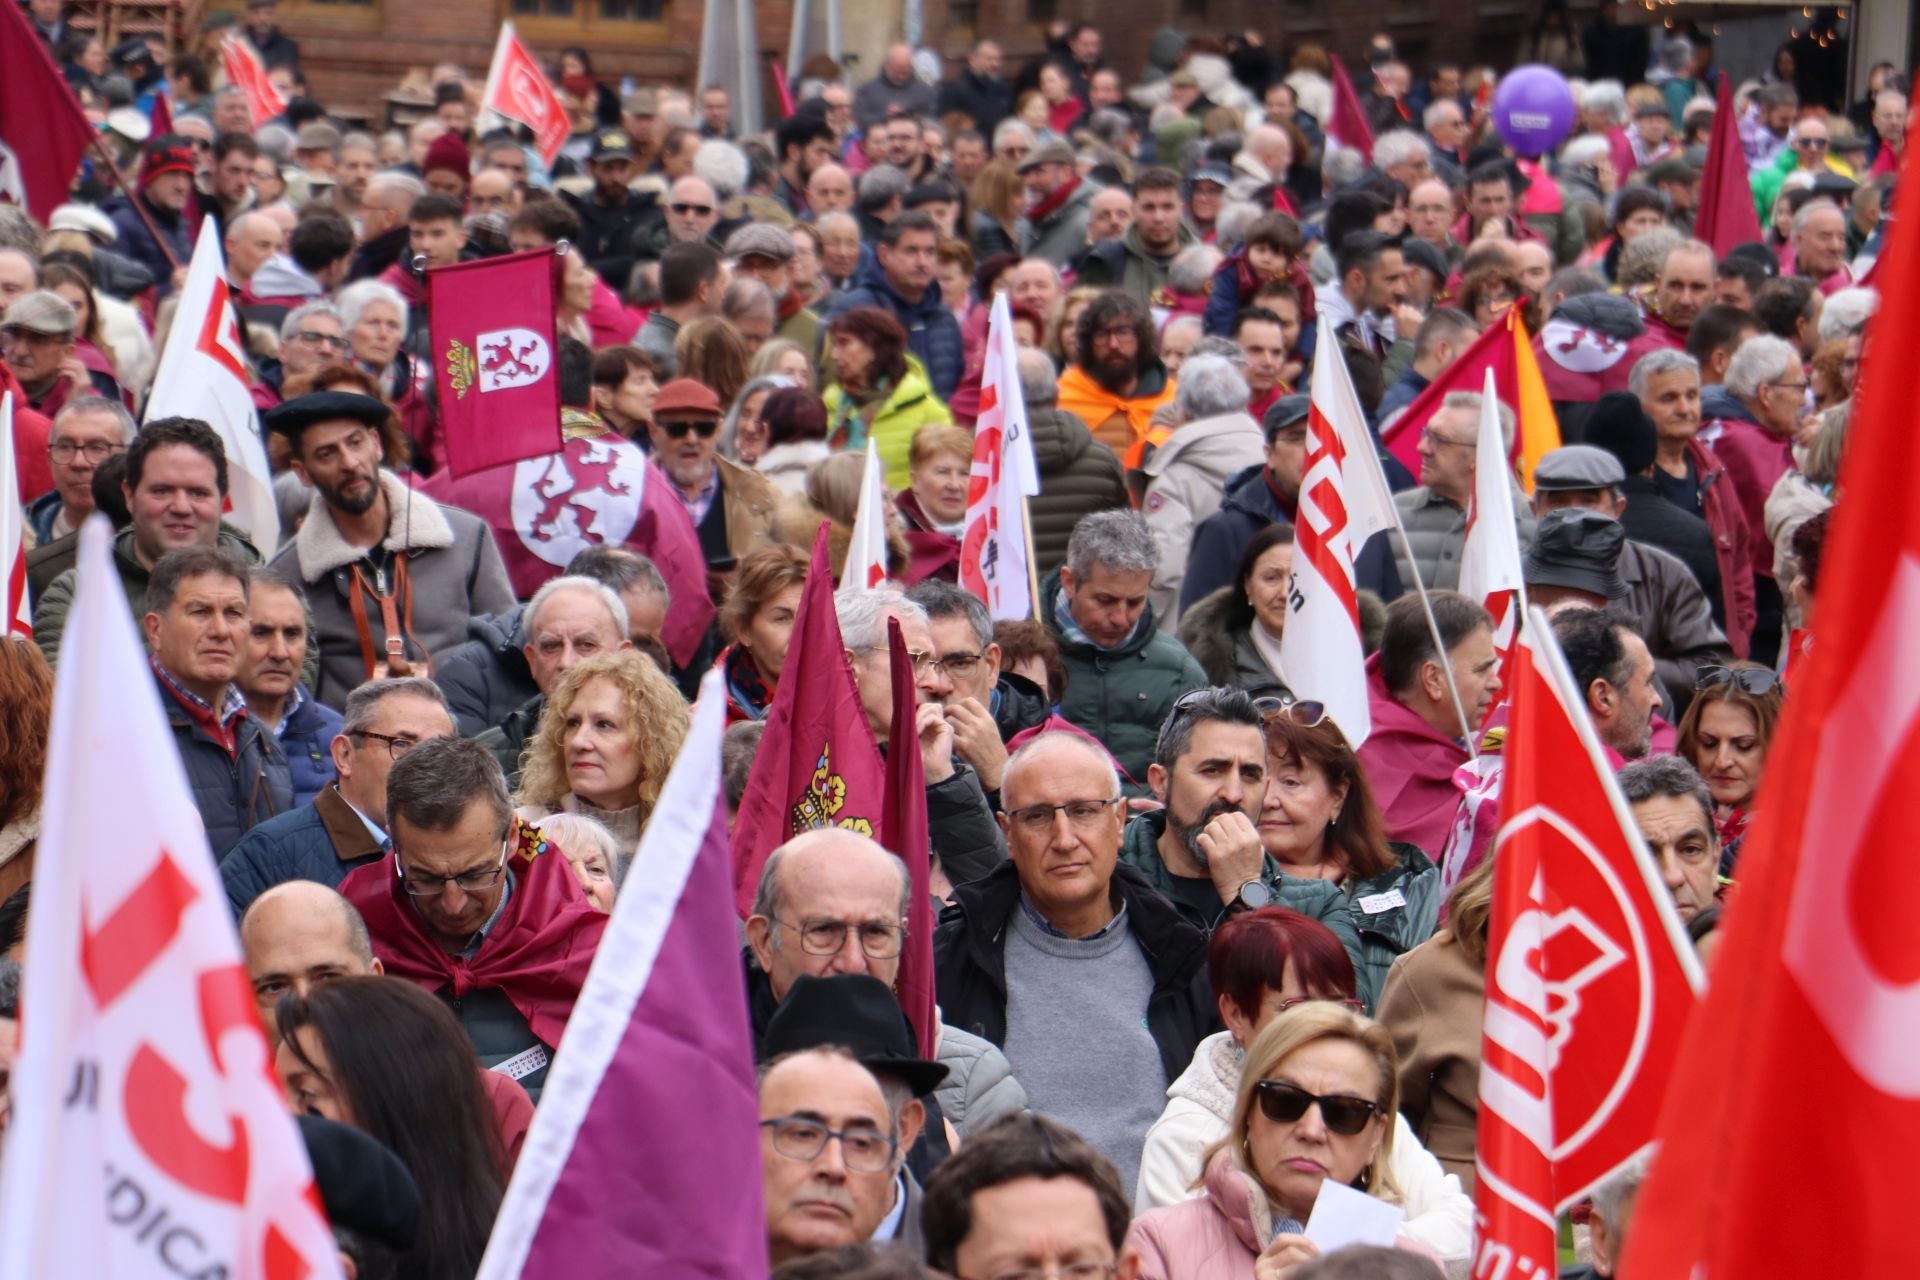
374,316
610,731
757,620
743,433
599,864
1264,966
934,507
879,392
796,425
1234,633
1317,1100
1725,734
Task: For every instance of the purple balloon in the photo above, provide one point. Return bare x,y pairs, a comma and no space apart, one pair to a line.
1533,109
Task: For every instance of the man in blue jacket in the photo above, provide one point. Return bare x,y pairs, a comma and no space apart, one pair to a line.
271,662
904,285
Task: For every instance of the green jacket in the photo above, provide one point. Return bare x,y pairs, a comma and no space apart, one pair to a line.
911,407
50,610
1126,264
1122,696
1390,926
1319,900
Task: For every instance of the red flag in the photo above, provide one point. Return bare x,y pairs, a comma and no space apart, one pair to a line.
160,119
42,132
1726,216
493,358
1815,983
519,90
904,831
1506,348
1349,125
245,69
818,765
1590,979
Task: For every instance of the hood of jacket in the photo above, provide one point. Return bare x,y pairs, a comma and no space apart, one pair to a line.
1020,706
280,277
1718,403
872,276
1236,1197
1210,445
1607,313
503,633
1212,1079
1059,438
1211,629
1133,247
120,275
1143,632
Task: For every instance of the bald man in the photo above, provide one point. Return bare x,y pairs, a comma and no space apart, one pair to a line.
493,191
252,238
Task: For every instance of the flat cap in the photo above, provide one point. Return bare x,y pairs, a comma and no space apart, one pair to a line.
1578,466
1055,152
644,103
1285,411
760,240
42,311
1577,549
684,397
291,417
316,136
85,219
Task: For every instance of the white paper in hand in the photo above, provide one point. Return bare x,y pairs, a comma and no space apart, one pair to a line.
1342,1216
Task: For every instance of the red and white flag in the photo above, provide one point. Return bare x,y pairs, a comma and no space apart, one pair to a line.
491,332
1344,500
1590,977
519,90
867,558
993,546
1815,1007
1490,567
16,610
245,69
149,1136
203,374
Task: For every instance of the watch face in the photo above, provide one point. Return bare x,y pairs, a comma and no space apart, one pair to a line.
1255,894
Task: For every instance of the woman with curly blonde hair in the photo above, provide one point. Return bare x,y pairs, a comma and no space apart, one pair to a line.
610,731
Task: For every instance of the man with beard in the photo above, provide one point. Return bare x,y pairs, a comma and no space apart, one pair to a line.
1141,259
393,578
612,213
732,506
1202,851
805,140
1116,380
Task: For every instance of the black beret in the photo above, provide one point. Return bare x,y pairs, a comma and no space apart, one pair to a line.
363,1186
292,417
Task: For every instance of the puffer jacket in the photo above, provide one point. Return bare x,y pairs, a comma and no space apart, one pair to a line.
487,677
1122,696
1221,641
1078,476
1437,533
1186,479
307,741
933,332
1199,1110
233,791
1393,913
136,240
56,598
911,405
979,1087
508,739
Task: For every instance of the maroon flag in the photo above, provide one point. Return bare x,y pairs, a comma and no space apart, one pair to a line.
42,133
494,353
818,765
1349,125
904,831
1726,216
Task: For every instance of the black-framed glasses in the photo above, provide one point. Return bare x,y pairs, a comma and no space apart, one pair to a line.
701,209
478,880
702,427
95,451
1285,1103
878,940
1037,819
1115,333
863,1150
396,746
1757,681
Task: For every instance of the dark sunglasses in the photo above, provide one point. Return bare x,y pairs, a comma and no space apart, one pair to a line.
1754,680
702,209
1814,144
1284,1103
702,427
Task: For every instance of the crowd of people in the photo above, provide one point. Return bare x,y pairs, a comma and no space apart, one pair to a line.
1196,953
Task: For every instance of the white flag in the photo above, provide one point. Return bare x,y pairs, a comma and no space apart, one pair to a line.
1344,500
1490,566
203,374
866,565
148,1135
993,546
16,611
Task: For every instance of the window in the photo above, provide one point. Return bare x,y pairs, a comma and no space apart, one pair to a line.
577,19
963,13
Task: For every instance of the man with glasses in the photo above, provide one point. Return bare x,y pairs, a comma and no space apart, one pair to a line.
985,704
345,826
464,907
1435,513
86,432
1092,983
829,1150
966,843
732,506
1116,381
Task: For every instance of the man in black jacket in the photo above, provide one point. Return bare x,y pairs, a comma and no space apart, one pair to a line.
612,214
985,705
1091,982
978,92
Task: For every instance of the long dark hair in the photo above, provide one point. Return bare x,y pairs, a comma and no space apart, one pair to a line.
1239,609
406,1070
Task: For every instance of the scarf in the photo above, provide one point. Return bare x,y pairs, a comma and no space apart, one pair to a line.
849,418
1093,404
1072,633
746,687
1048,205
1267,645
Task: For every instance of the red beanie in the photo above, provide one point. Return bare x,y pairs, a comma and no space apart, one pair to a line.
450,154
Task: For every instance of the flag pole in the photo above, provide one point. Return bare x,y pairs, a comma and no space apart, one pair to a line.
1033,574
1439,645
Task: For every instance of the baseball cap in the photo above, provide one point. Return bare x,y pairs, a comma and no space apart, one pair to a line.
611,144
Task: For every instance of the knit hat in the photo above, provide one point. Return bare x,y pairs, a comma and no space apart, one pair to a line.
450,154
170,153
1619,425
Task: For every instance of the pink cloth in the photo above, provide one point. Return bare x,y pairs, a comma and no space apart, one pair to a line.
1755,460
610,322
1410,766
1841,279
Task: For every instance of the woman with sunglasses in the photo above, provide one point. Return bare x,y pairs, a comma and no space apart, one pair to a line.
1319,822
1267,966
1725,735
878,391
1317,1101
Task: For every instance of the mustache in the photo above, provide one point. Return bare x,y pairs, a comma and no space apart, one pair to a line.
1189,832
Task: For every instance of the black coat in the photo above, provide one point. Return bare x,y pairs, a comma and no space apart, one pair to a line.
379,253
487,678
609,234
970,962
234,793
1250,506
987,100
1651,519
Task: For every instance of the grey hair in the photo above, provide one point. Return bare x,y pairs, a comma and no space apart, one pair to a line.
1613,1192
361,294
363,141
573,830
434,784
747,297
837,218
619,568
1220,347
1210,387
1039,380
1847,312
99,404
1343,166
1646,256
404,183
1118,540
578,582
1655,363
1429,118
1471,401
1193,267
864,614
1009,129
363,703
1606,99
1807,210
1675,53
1398,146
1665,776
276,140
723,165
305,312
738,747
1110,126
730,427
1041,741
1588,148
1759,359
1235,217
944,600
880,186
359,941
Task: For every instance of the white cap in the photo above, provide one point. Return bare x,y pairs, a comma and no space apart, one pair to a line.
84,218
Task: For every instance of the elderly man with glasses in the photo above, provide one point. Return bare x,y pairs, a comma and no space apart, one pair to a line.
86,432
830,1151
469,907
1093,984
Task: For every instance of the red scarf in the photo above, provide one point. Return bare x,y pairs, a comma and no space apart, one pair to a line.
537,953
1046,205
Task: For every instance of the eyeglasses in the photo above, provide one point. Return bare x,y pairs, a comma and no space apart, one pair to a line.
1814,144
921,661
1116,333
396,747
1062,1270
1799,388
957,666
701,209
64,451
864,1150
1429,435
313,337
1757,681
829,937
702,427
475,881
1284,1103
1037,819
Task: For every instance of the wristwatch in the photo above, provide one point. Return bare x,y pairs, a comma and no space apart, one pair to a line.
1253,895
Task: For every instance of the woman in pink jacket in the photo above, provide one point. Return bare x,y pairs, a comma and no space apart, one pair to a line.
1317,1101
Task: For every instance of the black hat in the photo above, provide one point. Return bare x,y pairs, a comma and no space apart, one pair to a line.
858,1013
1284,412
131,52
1755,252
611,144
363,1186
1578,549
1619,425
293,416
1419,253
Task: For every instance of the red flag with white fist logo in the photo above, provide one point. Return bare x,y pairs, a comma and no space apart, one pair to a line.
495,359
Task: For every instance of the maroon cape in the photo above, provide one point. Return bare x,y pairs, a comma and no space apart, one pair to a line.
1410,767
537,954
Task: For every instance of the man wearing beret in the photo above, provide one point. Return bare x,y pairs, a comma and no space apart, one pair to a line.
393,577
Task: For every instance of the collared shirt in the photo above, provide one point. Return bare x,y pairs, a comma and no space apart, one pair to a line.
384,840
479,939
221,723
1041,922
698,505
889,1228
294,703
